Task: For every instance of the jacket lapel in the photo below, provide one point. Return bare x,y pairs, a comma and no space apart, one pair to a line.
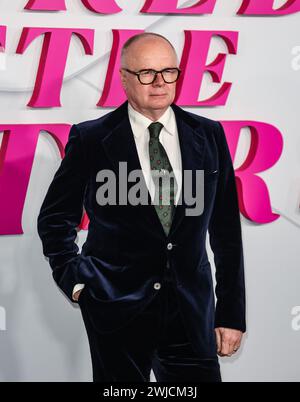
192,145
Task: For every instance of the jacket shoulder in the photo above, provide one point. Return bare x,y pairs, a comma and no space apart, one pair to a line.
197,120
98,128
205,122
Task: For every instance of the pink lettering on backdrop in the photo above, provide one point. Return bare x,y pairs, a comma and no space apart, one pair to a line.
19,144
193,65
46,5
2,37
53,60
170,7
102,7
265,150
248,7
113,94
97,6
16,158
266,7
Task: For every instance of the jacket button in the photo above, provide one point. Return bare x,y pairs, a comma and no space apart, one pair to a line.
157,286
169,246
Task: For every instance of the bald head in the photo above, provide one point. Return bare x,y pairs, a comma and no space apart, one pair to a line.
145,40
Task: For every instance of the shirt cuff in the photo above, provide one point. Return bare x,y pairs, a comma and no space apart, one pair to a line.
77,287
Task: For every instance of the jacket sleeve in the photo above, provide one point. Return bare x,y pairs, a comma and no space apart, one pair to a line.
61,212
226,243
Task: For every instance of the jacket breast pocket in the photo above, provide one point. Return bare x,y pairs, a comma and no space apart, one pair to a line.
210,175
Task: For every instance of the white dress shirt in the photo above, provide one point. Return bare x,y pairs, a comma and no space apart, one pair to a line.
168,138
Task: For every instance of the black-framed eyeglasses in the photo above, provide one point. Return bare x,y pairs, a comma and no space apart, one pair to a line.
148,76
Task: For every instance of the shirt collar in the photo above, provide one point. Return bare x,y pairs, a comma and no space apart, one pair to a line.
140,122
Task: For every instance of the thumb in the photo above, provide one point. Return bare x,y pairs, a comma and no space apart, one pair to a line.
218,339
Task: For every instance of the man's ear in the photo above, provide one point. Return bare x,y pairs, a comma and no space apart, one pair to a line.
123,78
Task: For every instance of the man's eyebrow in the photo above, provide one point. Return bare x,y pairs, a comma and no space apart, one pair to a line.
154,69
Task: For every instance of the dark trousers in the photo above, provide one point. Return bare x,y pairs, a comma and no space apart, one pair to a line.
155,339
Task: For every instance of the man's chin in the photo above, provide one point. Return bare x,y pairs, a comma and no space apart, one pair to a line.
159,102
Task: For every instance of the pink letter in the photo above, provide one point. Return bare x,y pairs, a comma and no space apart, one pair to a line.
53,60
170,7
16,158
97,6
265,7
113,93
193,65
2,37
2,47
265,150
46,5
102,7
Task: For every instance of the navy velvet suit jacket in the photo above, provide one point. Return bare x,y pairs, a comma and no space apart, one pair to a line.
126,251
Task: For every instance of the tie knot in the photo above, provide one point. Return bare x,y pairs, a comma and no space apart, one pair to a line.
155,129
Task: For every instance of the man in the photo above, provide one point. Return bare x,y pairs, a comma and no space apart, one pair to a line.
143,279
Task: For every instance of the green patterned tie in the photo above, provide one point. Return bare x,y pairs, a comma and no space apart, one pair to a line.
165,187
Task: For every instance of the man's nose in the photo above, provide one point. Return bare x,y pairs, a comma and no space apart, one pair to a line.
159,79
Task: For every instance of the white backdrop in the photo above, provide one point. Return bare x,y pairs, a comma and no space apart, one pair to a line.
42,336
